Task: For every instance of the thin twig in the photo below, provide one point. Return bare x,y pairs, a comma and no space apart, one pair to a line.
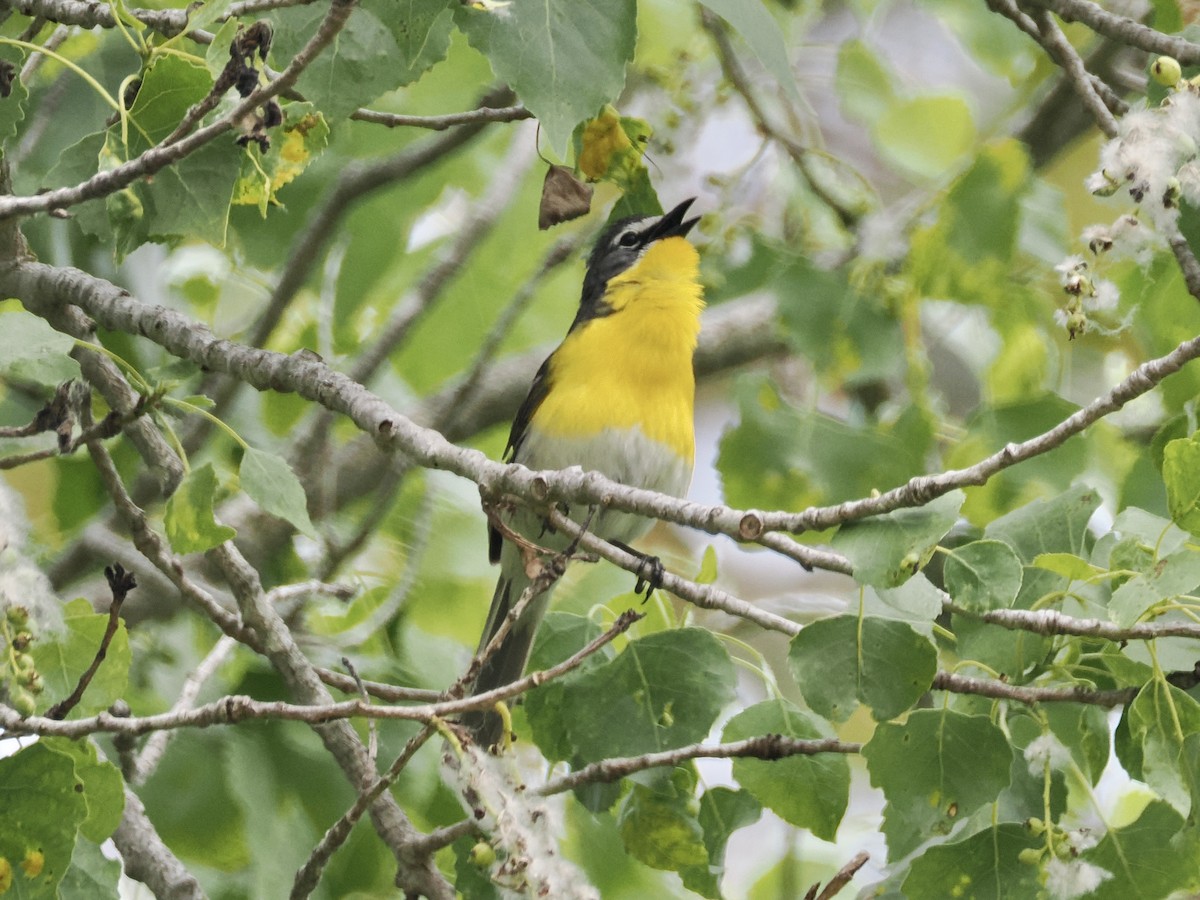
441,123
233,709
36,58
146,858
1051,622
706,596
108,427
160,156
1031,694
767,746
1123,29
736,76
558,254
1084,82
840,880
147,761
120,583
308,876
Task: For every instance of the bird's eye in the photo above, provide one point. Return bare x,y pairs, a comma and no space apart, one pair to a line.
628,239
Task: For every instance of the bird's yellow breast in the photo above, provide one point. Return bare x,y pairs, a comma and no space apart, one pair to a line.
633,367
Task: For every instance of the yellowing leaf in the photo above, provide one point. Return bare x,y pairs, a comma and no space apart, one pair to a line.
603,142
302,136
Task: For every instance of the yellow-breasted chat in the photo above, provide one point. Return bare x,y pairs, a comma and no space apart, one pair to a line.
617,396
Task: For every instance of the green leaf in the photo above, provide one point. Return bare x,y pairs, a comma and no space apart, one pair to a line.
883,663
42,812
62,658
708,566
191,198
191,527
1068,565
272,484
564,59
1181,474
170,85
208,13
90,875
983,208
30,350
1083,730
1176,574
752,20
780,457
806,791
301,138
983,575
102,787
422,30
934,769
1057,525
847,334
982,867
887,550
926,136
917,598
722,812
12,107
559,636
864,86
216,57
1160,720
663,691
659,827
348,74
1143,857
77,163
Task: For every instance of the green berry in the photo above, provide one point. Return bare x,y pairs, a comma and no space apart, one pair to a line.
1030,856
18,616
483,855
22,701
1077,324
1166,71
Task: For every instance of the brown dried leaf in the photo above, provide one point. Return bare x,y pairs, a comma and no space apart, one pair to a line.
564,197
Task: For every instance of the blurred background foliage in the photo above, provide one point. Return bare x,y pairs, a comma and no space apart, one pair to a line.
898,200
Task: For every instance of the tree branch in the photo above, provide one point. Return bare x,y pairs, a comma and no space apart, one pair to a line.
1051,621
1086,85
767,746
233,709
42,288
147,859
163,155
482,115
1122,29
1031,694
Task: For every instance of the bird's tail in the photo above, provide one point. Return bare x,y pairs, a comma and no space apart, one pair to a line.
507,664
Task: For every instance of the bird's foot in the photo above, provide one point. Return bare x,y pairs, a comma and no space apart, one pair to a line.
649,572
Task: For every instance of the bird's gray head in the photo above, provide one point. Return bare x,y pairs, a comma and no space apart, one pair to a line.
622,244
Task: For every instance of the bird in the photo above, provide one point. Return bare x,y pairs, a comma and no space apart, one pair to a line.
617,396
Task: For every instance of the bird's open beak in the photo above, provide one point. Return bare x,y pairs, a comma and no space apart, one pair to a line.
673,224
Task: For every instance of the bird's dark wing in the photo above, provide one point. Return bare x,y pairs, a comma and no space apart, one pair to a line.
537,393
